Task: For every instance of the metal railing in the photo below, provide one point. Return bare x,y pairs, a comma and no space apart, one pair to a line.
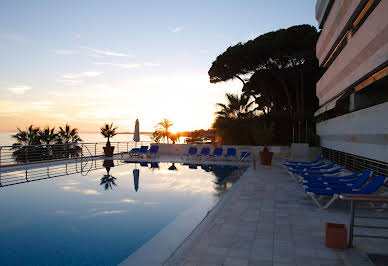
355,163
29,154
29,173
378,202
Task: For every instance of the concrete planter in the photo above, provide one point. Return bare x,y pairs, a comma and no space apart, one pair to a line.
336,235
266,157
108,151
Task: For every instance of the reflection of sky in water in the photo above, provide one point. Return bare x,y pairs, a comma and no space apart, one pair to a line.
74,220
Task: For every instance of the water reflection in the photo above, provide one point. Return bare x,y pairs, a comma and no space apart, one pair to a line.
136,174
108,180
173,167
74,208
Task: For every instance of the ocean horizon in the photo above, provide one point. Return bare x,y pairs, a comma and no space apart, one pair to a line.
7,140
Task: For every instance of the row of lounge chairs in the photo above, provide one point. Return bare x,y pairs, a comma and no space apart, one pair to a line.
144,151
204,154
322,179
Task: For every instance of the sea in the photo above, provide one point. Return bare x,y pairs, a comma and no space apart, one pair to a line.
7,140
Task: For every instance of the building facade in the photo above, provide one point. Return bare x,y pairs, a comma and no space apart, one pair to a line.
352,50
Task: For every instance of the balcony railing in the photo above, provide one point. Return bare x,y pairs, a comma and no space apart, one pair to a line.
29,154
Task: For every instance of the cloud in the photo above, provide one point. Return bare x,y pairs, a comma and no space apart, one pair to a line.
151,64
78,36
151,203
86,74
104,52
104,213
126,66
64,52
176,29
11,37
90,192
42,103
128,200
19,89
84,191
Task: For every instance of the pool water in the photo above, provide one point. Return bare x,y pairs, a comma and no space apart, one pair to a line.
103,215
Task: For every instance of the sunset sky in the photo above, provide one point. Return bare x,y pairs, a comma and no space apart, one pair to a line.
91,62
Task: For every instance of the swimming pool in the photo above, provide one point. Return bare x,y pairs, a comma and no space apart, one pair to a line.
105,214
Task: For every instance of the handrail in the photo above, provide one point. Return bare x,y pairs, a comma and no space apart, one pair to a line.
29,154
354,198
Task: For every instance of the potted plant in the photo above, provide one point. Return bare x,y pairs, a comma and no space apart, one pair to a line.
108,131
264,135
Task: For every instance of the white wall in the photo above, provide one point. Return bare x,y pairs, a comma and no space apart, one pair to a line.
363,133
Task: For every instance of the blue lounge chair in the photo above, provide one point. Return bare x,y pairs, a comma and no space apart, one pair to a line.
245,156
298,175
133,152
205,151
303,167
205,167
153,150
155,165
369,188
355,183
143,150
143,164
230,153
191,152
192,166
217,153
330,179
312,162
323,167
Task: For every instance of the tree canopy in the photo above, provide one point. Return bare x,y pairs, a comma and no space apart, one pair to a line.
278,71
275,63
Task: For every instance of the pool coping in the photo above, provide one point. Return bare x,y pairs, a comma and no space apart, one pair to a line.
175,247
181,251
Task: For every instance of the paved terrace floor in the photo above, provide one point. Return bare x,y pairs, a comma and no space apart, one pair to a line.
266,220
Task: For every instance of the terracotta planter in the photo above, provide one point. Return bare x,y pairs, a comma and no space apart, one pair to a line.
266,157
108,151
336,235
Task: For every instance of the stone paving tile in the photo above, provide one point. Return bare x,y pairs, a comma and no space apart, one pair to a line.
268,220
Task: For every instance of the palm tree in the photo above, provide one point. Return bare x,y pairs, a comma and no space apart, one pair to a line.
47,136
108,181
163,127
68,134
28,137
108,131
236,107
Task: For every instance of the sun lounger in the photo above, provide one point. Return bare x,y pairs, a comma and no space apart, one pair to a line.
330,179
205,151
191,152
369,188
245,156
155,165
152,151
300,162
308,167
230,153
298,175
217,153
143,150
354,183
131,153
192,166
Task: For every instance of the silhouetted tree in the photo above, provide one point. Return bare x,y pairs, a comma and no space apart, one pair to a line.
162,127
